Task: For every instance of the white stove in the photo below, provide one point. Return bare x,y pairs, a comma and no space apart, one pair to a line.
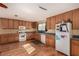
22,33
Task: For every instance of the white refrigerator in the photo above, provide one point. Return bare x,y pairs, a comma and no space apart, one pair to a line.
62,38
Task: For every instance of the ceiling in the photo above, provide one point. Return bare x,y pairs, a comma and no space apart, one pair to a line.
32,12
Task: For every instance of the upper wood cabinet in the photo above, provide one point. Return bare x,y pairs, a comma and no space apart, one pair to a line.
68,15
48,23
53,22
20,23
4,23
34,25
16,24
59,18
29,25
11,23
76,19
24,23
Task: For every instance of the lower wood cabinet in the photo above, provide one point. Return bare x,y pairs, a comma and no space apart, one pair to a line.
50,40
7,38
75,47
33,36
13,37
3,38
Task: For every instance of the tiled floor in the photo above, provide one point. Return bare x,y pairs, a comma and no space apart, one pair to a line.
16,49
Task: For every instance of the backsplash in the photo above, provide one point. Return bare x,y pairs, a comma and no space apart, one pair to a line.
74,32
6,31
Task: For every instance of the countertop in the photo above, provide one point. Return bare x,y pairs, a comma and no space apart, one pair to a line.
75,37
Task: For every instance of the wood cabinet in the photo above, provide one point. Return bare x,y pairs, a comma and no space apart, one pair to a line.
10,38
68,15
53,22
20,23
76,19
50,40
48,23
75,47
16,24
13,37
59,18
29,25
7,38
3,38
34,25
24,23
33,36
4,23
11,24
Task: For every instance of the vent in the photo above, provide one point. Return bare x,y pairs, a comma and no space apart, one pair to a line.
42,8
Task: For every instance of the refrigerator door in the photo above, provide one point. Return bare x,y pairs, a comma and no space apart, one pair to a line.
63,43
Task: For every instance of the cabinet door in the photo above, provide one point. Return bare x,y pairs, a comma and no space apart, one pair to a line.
10,38
75,48
13,37
48,23
11,23
24,23
20,23
16,37
29,25
59,18
4,38
76,19
16,24
50,40
53,22
4,23
34,25
68,15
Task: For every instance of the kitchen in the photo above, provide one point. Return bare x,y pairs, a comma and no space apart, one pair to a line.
43,31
